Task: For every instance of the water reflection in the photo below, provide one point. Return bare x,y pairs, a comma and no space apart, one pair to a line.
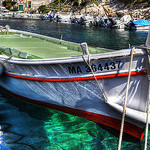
94,36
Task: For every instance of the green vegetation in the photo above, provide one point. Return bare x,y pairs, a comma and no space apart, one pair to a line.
63,5
8,4
42,9
15,8
74,5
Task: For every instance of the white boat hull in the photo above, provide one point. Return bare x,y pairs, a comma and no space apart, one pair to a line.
139,27
68,85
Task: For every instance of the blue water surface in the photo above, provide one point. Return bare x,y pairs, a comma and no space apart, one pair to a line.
96,37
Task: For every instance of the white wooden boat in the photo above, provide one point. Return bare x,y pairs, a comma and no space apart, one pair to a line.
69,85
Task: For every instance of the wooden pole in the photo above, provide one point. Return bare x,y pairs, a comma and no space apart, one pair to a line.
59,5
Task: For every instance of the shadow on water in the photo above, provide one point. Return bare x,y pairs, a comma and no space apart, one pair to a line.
20,130
28,126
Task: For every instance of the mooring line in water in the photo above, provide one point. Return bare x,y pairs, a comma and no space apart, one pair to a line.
125,100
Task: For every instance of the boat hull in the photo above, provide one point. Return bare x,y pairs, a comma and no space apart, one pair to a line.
138,27
132,132
68,85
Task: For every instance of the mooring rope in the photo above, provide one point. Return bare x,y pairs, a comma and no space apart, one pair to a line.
125,100
99,86
88,62
3,61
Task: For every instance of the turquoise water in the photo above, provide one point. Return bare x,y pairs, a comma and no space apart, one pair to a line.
25,126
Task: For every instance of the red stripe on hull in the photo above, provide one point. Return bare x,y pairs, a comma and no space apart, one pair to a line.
134,73
129,128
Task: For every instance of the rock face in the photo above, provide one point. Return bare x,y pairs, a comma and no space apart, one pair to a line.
103,9
94,9
118,9
135,10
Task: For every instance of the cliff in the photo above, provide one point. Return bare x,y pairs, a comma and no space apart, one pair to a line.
117,8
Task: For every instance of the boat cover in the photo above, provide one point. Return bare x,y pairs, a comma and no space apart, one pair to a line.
141,22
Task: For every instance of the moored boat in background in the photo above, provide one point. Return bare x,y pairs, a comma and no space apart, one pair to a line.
138,25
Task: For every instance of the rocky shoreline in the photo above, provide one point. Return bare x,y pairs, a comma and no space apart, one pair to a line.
119,9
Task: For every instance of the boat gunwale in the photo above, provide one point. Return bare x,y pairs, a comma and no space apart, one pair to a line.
74,59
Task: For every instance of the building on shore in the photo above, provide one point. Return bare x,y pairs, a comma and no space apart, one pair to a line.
29,5
34,4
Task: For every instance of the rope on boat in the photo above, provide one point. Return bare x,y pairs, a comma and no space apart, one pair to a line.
99,86
88,62
125,100
148,103
3,61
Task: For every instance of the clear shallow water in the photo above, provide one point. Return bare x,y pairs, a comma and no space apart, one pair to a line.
29,127
26,126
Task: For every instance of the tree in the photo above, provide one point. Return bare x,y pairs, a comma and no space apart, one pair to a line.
8,4
42,8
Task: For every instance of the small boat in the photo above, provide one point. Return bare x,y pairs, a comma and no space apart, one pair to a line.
51,16
45,17
105,22
138,25
57,18
81,19
92,86
1,16
123,20
73,19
